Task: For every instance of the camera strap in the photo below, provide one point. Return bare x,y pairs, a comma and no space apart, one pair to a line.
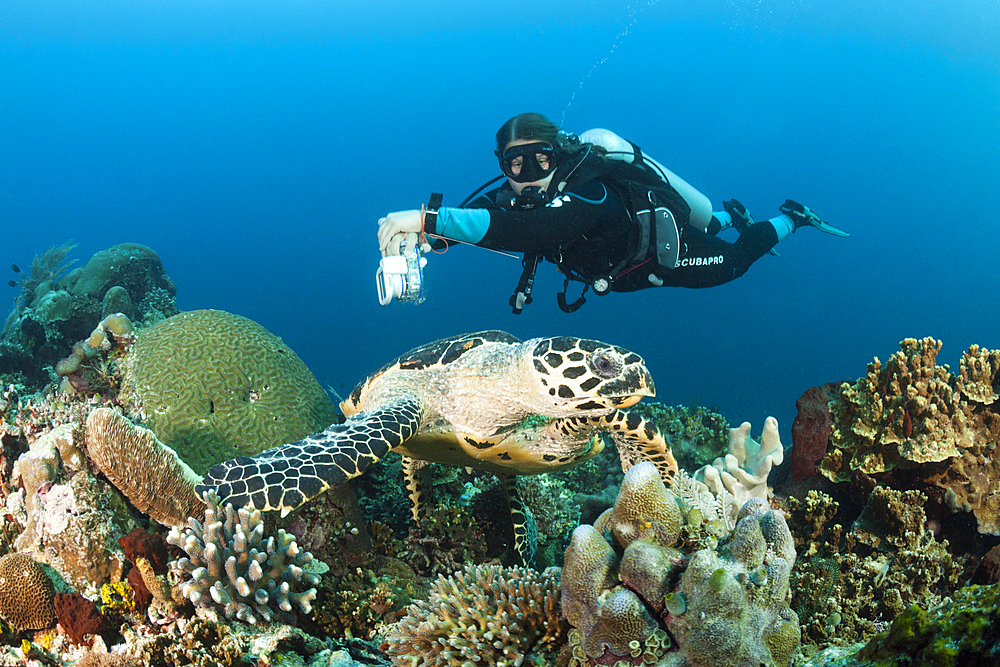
522,295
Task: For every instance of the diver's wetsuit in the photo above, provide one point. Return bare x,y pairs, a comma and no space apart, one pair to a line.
587,229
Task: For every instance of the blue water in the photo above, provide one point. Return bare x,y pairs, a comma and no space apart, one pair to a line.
254,145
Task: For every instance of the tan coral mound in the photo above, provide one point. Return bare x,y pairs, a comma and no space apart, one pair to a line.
27,596
486,613
143,468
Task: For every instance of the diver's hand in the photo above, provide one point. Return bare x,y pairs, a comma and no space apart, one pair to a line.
397,242
397,224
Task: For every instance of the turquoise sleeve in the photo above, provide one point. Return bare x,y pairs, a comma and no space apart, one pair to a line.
468,225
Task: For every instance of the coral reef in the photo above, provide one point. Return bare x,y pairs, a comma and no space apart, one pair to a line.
486,615
27,596
213,386
53,311
83,370
850,584
446,539
148,472
961,631
914,419
723,606
72,520
229,564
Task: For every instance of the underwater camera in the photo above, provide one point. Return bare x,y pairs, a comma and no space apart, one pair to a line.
401,277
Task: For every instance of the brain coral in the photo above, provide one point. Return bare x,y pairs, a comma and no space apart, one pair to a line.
485,615
213,386
27,597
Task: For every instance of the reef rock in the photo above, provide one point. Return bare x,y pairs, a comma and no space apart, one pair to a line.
72,520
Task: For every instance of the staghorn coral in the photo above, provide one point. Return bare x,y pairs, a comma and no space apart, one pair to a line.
27,596
724,607
145,470
484,614
913,416
213,386
231,565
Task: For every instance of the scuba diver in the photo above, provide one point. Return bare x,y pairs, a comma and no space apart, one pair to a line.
603,212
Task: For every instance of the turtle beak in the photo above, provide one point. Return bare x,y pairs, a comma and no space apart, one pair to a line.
634,385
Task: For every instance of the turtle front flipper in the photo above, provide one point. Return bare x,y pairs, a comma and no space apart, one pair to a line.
637,440
285,477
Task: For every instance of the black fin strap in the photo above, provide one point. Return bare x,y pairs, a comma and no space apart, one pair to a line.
522,295
571,307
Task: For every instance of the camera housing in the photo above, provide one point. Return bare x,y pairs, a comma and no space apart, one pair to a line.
401,277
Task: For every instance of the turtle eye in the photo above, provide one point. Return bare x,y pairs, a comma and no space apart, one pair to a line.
604,364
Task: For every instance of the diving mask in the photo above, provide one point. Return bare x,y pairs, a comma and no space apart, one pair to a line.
525,163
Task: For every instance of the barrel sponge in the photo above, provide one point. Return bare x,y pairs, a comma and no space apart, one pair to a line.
644,509
27,596
213,386
145,470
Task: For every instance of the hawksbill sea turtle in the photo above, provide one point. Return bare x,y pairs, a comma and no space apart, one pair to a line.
472,400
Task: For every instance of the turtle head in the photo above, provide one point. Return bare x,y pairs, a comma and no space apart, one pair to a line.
579,376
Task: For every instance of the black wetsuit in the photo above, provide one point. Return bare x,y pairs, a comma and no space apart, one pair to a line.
587,232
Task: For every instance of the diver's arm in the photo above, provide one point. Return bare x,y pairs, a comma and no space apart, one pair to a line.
570,216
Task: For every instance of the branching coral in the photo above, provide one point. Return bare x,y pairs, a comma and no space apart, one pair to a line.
483,615
913,415
231,565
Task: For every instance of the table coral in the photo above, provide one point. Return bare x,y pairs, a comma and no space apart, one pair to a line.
485,615
213,386
723,606
231,565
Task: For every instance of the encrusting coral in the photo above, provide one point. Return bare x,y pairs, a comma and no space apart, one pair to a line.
485,615
213,386
27,596
231,565
723,606
145,470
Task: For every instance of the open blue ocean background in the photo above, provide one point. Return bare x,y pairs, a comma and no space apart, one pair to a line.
254,145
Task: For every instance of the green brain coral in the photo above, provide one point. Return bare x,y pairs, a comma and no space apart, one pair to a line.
213,386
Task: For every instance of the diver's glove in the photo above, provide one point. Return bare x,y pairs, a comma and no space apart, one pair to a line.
803,216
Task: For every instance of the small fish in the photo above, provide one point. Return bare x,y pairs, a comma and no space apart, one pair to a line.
12,283
16,268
